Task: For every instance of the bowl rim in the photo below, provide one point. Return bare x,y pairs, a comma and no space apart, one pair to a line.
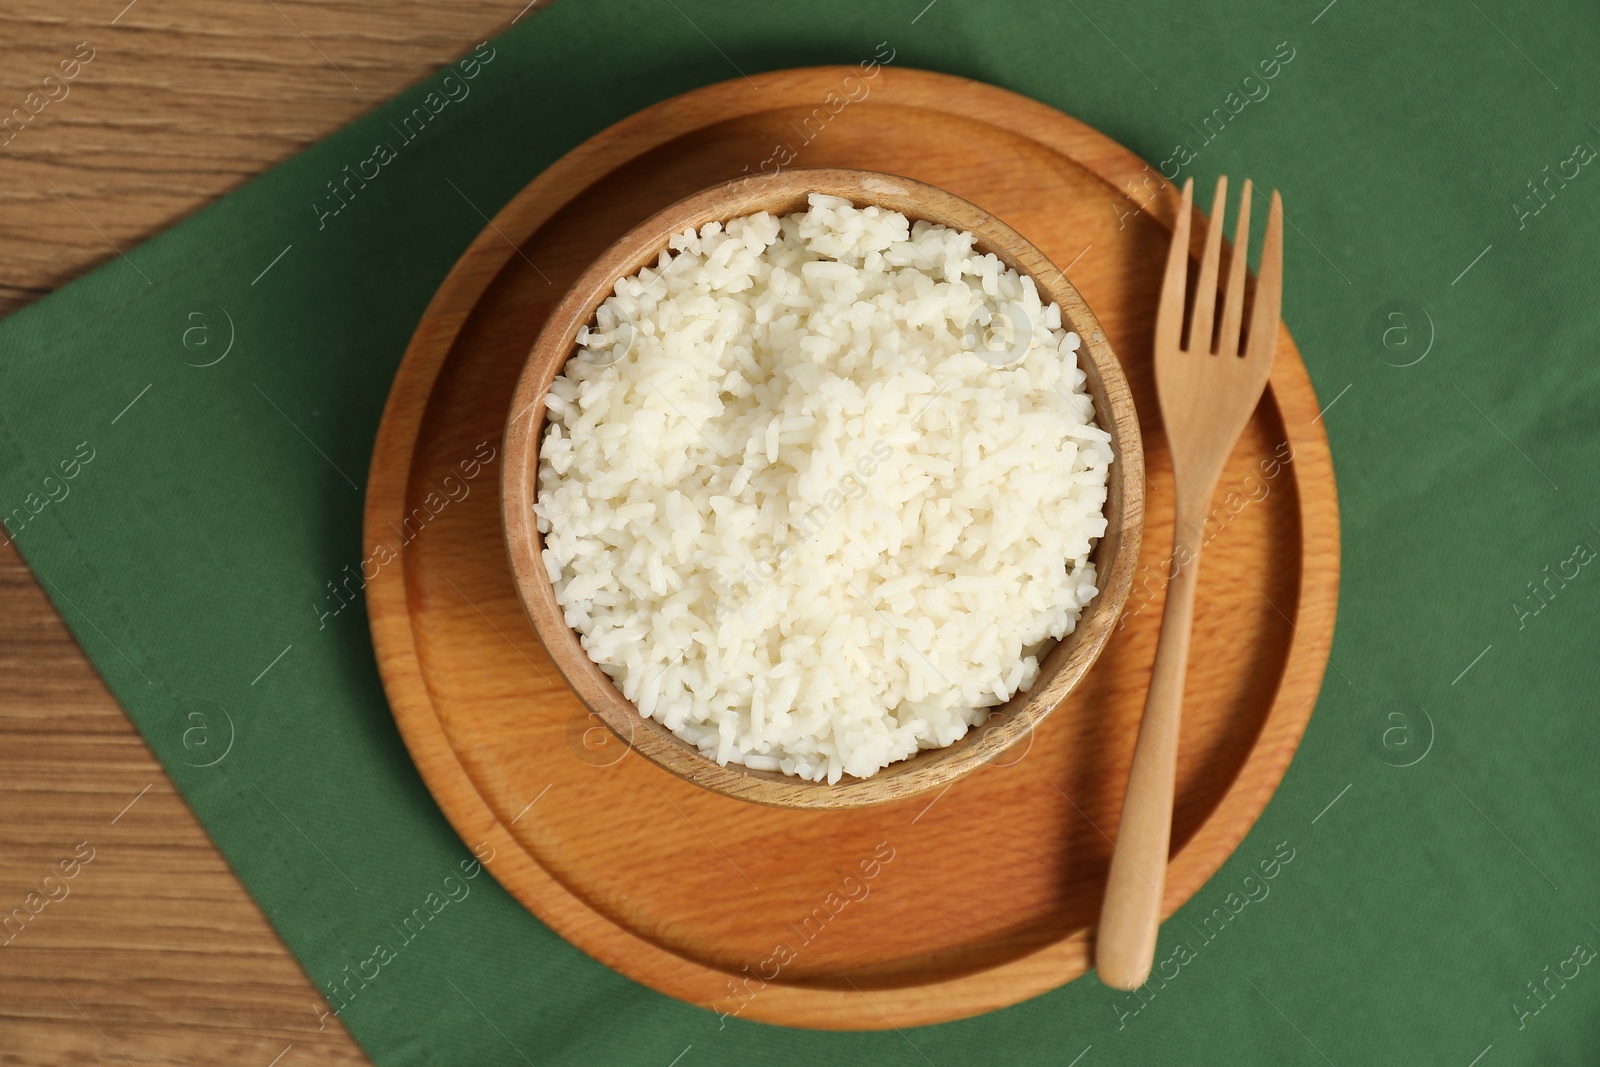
1115,553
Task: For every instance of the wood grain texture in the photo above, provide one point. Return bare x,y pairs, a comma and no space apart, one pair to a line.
158,951
691,892
782,193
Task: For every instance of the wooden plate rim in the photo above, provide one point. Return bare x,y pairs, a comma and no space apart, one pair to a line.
818,1004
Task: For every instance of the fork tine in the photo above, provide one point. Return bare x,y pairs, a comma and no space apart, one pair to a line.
1169,312
1205,289
1269,288
1233,304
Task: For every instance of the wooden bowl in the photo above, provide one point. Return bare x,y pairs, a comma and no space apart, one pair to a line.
1114,555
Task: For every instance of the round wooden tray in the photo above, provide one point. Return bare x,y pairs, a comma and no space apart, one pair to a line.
911,912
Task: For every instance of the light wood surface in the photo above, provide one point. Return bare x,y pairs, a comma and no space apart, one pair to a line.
782,193
983,894
157,953
1208,389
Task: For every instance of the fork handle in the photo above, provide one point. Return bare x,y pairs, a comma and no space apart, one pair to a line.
1130,918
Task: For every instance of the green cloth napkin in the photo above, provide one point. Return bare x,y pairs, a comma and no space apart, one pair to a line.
1433,866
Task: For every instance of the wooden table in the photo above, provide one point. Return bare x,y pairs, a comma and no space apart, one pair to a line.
157,954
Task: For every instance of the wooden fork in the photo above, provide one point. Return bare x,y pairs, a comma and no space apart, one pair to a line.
1207,389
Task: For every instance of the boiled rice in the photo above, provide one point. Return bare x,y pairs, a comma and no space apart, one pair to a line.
816,490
